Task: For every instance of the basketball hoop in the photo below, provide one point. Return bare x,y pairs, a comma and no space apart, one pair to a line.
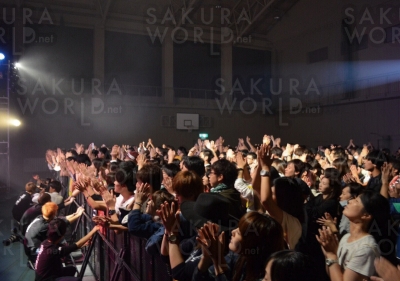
189,128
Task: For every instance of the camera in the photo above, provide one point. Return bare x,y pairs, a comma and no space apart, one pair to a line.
14,237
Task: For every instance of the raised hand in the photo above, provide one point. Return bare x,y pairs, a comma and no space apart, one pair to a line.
102,221
266,139
387,169
109,198
207,144
115,151
327,220
141,159
328,240
240,160
212,243
142,193
277,142
169,217
153,153
264,156
230,155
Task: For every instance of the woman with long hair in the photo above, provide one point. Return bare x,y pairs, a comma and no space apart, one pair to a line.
256,238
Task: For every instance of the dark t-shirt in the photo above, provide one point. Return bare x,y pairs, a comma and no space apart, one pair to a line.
29,216
48,263
375,183
21,205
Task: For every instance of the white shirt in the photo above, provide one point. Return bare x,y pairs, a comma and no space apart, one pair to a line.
121,203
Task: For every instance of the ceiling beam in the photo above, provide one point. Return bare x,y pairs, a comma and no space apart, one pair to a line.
255,9
106,10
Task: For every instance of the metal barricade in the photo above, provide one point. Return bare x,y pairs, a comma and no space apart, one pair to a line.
113,257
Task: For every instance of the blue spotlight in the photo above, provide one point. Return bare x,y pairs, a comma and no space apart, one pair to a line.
2,56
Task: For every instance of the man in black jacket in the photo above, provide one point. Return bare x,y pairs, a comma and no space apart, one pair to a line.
24,201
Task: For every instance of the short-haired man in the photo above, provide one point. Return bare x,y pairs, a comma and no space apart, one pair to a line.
24,201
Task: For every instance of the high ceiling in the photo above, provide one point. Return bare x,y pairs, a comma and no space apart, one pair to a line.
243,17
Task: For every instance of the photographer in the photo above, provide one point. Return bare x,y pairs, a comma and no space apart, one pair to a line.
24,201
48,264
37,230
53,188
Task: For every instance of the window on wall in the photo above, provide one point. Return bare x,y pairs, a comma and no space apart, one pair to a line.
251,70
197,66
56,57
134,62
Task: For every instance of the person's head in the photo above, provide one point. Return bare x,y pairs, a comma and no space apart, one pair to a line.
99,164
160,196
279,165
332,173
44,198
288,265
30,187
193,163
395,167
368,207
103,153
49,210
150,174
110,179
182,151
257,237
316,168
206,178
206,155
298,152
56,230
83,158
294,168
71,153
55,186
223,171
330,187
125,178
374,160
338,152
169,171
187,186
289,196
251,156
276,152
352,190
342,166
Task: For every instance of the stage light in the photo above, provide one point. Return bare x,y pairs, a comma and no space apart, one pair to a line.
17,65
2,56
14,122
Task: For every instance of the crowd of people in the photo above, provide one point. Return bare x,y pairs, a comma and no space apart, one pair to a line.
217,212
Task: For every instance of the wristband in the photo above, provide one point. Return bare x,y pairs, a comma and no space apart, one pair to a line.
140,204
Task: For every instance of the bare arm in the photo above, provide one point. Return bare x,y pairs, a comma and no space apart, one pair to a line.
86,238
266,193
